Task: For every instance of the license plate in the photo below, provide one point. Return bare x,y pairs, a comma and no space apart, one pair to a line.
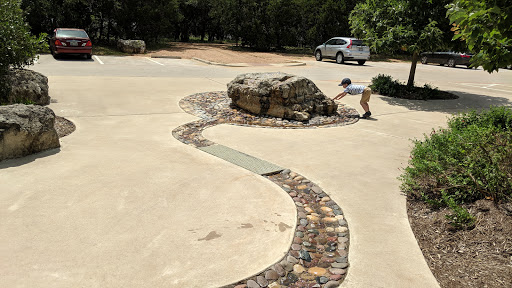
73,43
360,48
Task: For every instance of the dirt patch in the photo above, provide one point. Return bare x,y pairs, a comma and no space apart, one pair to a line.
63,126
225,53
481,257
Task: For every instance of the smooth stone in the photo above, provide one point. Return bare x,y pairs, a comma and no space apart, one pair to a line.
318,271
303,222
290,279
295,253
271,275
309,210
298,178
342,222
339,217
296,247
299,234
341,259
322,279
325,199
301,228
337,271
339,265
280,270
342,239
302,187
329,229
298,204
304,255
301,215
307,277
341,229
306,244
286,171
292,194
325,209
314,231
335,277
292,260
262,281
297,240
330,220
274,285
253,284
299,269
314,219
317,189
332,284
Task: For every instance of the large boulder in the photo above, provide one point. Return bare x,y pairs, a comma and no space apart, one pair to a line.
27,86
25,130
280,95
132,46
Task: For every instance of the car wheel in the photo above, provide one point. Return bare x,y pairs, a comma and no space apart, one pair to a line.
361,62
339,58
451,62
318,55
424,60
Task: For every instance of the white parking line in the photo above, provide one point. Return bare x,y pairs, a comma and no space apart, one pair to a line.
98,59
154,61
487,86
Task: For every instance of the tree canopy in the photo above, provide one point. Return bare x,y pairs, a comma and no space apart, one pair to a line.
413,25
486,27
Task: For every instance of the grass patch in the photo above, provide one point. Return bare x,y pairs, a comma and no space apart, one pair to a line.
387,86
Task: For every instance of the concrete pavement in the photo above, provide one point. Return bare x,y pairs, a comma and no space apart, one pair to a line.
124,204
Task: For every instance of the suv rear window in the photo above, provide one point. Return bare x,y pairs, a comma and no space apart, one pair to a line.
72,34
357,42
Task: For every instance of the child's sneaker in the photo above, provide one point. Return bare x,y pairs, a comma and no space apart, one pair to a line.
367,115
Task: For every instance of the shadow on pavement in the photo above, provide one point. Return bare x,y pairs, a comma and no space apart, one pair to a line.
466,101
9,163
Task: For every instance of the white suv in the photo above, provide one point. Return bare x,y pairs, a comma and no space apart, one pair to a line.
343,49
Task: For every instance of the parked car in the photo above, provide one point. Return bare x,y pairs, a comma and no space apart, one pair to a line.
70,41
343,49
451,59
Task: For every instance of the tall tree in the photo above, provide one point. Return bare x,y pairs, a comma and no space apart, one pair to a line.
414,25
486,27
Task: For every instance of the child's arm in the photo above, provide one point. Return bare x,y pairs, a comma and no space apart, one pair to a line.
339,96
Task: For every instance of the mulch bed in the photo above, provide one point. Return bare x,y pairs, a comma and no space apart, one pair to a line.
481,257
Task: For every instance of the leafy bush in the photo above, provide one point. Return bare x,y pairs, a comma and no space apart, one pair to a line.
468,161
387,86
18,47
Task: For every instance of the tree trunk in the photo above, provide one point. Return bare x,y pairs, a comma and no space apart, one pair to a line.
412,73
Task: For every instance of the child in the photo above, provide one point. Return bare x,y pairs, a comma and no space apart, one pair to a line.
356,89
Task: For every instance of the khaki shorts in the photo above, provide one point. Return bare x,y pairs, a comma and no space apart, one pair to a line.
367,92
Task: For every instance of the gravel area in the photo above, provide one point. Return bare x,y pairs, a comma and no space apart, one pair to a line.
225,53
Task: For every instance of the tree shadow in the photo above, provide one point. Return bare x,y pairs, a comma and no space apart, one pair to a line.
465,102
9,163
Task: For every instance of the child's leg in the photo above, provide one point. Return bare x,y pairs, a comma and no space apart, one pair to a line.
365,98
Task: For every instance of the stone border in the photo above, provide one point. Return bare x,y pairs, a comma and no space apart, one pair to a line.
318,256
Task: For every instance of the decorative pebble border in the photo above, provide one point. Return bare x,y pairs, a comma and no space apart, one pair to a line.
318,256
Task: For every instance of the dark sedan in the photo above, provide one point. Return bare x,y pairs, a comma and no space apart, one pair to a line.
70,41
451,59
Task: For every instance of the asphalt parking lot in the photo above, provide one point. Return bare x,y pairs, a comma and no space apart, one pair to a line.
124,204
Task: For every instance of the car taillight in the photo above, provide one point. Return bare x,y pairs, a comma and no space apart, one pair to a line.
58,43
89,44
350,45
465,56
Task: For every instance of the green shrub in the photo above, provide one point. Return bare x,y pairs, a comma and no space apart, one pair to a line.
460,218
387,86
470,160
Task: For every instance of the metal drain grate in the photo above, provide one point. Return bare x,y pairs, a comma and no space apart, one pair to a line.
248,162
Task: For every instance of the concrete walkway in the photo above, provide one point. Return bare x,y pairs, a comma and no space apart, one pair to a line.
124,204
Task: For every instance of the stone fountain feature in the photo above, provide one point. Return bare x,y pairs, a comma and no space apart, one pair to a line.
280,95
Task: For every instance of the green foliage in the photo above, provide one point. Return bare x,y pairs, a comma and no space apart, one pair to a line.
470,160
460,218
18,47
486,27
387,86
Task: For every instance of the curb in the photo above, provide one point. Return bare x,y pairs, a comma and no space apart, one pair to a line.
167,57
291,63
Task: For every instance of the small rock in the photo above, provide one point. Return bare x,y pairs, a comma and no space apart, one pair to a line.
262,281
332,284
339,265
299,269
271,275
337,271
335,277
274,285
304,255
318,271
241,286
322,279
290,279
296,247
292,260
252,284
286,171
303,222
280,270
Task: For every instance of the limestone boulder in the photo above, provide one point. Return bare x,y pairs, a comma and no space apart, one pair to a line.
28,86
132,46
280,95
25,130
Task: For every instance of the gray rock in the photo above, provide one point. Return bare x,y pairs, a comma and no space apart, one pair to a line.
25,130
27,86
262,281
280,95
271,275
132,46
332,284
279,269
252,284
